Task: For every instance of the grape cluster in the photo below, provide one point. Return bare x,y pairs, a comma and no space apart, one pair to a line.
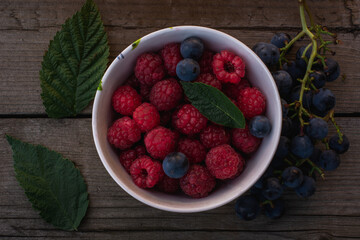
305,150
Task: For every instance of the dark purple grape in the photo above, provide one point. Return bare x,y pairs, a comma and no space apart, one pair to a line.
294,70
317,128
267,52
272,189
247,207
324,100
318,78
332,69
301,146
329,160
299,60
283,148
307,187
280,39
286,128
292,177
315,156
283,82
338,147
284,109
275,211
307,97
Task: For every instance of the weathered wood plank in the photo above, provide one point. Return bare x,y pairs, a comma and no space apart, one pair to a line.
22,51
327,214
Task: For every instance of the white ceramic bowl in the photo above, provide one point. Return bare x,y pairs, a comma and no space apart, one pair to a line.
122,67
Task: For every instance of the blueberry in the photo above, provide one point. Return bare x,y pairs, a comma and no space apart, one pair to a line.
317,128
192,47
267,52
284,109
299,60
247,207
301,146
175,165
187,69
272,189
280,39
292,177
287,127
276,210
318,78
283,148
332,70
329,160
338,147
324,100
307,187
294,70
283,82
307,97
259,126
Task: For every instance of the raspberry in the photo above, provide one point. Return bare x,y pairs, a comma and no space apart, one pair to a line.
251,102
124,133
198,182
149,69
232,90
127,157
206,61
244,141
140,150
171,56
125,99
209,79
193,150
146,117
165,118
223,162
146,172
160,142
133,82
166,95
214,135
168,185
189,120
145,92
228,67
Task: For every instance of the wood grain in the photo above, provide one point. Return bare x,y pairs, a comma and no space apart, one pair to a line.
113,212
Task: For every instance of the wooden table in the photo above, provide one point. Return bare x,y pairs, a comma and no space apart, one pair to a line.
26,27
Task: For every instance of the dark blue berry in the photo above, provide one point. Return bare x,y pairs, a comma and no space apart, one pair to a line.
283,82
276,209
272,189
247,207
259,126
324,100
337,146
292,177
175,165
267,52
318,78
315,156
192,47
301,146
188,69
332,69
317,128
287,127
268,173
283,148
284,108
329,160
299,60
294,70
307,187
280,39
307,97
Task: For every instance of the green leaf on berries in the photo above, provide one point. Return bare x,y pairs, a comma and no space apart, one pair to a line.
74,63
214,104
52,184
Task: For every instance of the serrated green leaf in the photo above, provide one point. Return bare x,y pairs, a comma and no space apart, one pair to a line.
213,104
74,63
52,184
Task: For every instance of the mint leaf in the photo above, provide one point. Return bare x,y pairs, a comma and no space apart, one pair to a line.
52,184
213,104
74,63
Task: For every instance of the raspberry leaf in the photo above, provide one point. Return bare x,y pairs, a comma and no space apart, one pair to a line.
52,184
213,104
74,63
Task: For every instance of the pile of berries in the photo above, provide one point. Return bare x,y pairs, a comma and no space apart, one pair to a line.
305,149
164,142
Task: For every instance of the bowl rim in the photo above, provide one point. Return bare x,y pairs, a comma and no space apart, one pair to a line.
155,204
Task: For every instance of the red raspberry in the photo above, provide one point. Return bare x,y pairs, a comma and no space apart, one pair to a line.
165,118
140,150
214,135
228,67
193,150
206,61
171,56
149,69
244,141
241,166
233,90
146,172
166,95
251,102
146,117
160,142
145,92
133,82
223,162
209,79
169,185
189,120
198,182
124,133
127,157
125,99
